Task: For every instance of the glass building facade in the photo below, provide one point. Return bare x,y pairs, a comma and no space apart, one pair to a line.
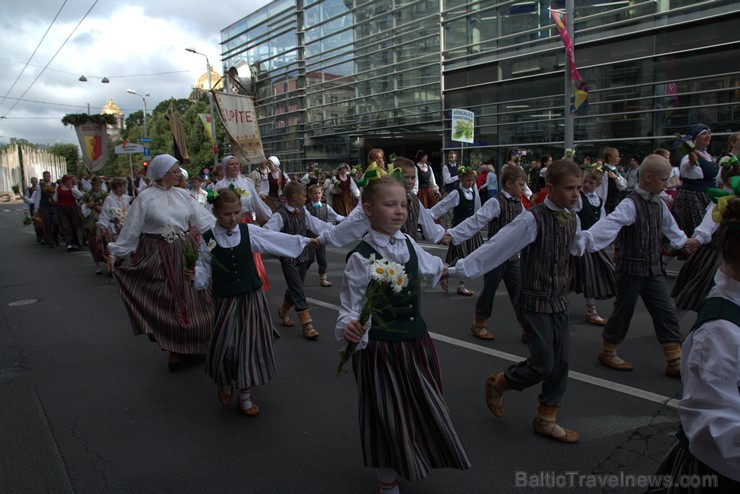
337,77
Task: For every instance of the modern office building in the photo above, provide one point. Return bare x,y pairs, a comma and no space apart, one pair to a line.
334,78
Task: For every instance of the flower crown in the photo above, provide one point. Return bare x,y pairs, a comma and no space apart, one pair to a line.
721,197
213,195
730,163
374,172
464,169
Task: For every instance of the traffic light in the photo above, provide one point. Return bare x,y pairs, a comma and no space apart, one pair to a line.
145,163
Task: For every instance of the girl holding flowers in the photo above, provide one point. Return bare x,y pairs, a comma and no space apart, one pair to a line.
241,349
114,211
91,204
405,427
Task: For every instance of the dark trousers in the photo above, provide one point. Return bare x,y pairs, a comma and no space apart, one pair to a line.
295,275
549,352
320,255
511,274
654,295
51,224
69,217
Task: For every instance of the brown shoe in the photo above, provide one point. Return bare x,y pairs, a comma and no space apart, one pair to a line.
614,362
480,330
495,394
284,314
465,292
223,397
596,319
252,411
309,332
324,280
673,371
551,430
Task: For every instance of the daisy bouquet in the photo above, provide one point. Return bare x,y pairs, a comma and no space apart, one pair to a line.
684,143
190,250
383,275
516,156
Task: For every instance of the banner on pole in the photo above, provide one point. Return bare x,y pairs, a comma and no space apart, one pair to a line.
579,92
93,140
463,122
178,138
238,116
205,119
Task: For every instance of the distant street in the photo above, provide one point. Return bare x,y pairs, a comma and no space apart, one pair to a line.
87,407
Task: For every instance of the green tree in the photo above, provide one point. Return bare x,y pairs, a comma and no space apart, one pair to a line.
71,153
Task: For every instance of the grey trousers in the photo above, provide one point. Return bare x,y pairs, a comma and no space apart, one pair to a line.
510,273
549,356
654,294
295,275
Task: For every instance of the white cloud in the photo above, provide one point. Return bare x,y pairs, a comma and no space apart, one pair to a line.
126,42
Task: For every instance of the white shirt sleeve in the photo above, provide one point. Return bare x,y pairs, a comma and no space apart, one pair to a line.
703,233
446,176
275,223
316,225
603,233
132,229
353,188
255,203
430,266
450,201
36,197
415,190
332,215
432,231
351,297
491,209
276,243
203,269
690,171
433,180
354,226
508,241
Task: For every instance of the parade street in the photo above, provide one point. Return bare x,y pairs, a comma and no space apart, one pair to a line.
87,407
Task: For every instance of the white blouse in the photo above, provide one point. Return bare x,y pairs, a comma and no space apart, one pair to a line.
452,200
107,217
357,278
153,210
250,204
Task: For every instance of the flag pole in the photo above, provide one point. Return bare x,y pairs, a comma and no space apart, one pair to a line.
568,114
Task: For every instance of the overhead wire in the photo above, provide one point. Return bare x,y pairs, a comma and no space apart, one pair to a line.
34,52
52,58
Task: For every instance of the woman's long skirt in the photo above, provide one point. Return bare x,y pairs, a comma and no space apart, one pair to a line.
594,276
404,422
683,467
161,302
242,344
343,204
688,208
427,197
695,279
71,223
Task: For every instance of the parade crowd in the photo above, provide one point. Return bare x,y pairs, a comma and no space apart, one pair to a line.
185,253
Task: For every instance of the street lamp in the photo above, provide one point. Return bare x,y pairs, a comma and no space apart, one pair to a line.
104,80
210,103
143,98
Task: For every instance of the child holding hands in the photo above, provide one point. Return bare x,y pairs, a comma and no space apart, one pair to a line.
241,348
397,371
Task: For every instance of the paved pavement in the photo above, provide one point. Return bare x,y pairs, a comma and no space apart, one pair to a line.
86,407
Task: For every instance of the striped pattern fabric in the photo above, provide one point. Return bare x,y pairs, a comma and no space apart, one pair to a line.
411,226
546,266
695,279
294,224
640,241
457,252
404,422
678,462
510,209
688,209
241,348
160,302
594,276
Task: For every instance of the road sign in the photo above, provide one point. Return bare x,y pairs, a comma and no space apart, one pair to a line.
130,149
145,139
147,152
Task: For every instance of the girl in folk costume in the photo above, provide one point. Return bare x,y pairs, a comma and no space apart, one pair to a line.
276,182
92,205
593,272
709,408
159,301
699,172
65,197
251,203
113,213
343,193
405,427
465,202
241,349
426,185
696,276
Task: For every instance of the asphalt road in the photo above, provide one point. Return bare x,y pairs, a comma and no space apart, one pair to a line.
86,407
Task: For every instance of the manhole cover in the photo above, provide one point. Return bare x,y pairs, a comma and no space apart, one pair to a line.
25,301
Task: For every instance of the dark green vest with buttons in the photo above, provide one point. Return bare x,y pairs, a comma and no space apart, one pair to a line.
400,319
240,275
464,209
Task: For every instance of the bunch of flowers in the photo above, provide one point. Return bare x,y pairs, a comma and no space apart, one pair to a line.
684,143
336,186
190,251
516,156
570,153
721,197
383,275
118,216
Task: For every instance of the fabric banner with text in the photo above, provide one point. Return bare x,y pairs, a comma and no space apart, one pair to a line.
239,118
93,140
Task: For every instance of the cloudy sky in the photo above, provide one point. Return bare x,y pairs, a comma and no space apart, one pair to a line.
137,44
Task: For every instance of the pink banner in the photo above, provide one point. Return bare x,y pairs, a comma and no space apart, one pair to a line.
579,95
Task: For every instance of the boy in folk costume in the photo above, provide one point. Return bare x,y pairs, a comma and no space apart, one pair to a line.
547,235
496,213
293,219
325,213
640,219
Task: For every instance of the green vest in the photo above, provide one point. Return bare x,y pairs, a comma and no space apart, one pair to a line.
241,276
400,319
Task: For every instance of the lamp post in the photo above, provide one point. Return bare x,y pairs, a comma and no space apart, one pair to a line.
210,103
143,98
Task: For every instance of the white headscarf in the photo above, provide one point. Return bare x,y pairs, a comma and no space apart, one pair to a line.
184,173
275,161
226,159
160,165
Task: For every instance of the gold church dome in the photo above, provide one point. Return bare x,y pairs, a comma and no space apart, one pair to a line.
202,82
111,108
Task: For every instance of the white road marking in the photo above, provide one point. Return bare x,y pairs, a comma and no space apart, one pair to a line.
578,376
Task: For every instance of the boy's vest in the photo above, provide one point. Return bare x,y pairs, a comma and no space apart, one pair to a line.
640,241
295,224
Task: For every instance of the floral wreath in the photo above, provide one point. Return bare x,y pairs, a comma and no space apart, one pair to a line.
721,197
212,195
730,163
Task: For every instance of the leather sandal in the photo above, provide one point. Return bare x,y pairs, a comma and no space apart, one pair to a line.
382,486
551,430
596,319
482,333
225,398
252,411
614,362
465,292
310,334
444,285
493,393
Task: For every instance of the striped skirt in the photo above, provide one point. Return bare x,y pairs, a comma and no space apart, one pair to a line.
695,279
457,252
681,465
593,275
160,302
404,422
96,244
241,348
688,209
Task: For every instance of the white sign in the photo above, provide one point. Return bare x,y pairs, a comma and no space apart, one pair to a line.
239,118
129,148
462,125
